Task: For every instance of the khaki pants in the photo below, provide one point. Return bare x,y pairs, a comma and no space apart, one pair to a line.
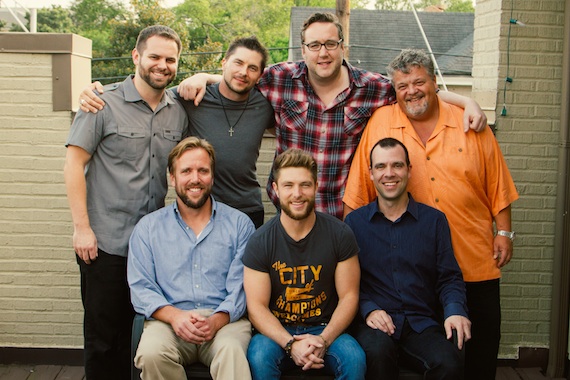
161,354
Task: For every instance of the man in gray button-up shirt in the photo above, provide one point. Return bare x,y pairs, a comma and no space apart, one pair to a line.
115,173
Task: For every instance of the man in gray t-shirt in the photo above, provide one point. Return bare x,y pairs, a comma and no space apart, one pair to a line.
115,173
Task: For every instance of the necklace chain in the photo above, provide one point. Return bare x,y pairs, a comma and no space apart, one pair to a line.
231,130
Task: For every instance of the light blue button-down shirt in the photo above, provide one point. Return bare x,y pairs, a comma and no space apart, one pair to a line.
169,265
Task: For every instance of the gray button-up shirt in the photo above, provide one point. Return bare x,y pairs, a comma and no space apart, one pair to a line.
129,144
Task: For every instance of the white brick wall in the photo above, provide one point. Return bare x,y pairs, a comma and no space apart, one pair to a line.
39,292
528,136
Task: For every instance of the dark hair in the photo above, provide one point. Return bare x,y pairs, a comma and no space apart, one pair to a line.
322,17
157,30
251,43
294,158
409,58
390,142
190,143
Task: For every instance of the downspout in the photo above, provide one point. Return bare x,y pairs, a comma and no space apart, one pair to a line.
561,277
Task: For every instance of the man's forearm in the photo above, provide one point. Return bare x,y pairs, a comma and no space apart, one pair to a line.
341,318
503,219
455,99
267,324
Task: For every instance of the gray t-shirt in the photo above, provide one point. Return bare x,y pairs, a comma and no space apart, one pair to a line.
235,177
129,144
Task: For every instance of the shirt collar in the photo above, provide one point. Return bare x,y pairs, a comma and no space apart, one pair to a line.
412,209
133,96
214,208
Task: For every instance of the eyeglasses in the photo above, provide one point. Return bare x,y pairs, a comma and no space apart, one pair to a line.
329,45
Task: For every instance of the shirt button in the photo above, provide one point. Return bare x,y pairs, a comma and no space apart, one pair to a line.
428,158
197,286
436,200
461,149
323,130
433,179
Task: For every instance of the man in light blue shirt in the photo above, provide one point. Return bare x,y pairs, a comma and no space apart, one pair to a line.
186,275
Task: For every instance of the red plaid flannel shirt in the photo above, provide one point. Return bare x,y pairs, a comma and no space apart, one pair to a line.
331,134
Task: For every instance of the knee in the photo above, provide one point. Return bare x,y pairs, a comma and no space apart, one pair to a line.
378,346
450,366
349,356
147,354
263,352
231,349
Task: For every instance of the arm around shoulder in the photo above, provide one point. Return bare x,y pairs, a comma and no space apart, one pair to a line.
473,117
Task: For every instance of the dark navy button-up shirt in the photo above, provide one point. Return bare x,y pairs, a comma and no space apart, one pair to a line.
408,266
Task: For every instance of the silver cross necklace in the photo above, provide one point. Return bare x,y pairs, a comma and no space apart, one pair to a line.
231,130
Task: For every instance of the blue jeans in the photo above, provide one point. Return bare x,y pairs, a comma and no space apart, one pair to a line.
344,359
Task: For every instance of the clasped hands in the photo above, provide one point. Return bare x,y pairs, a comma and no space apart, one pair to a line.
308,351
193,327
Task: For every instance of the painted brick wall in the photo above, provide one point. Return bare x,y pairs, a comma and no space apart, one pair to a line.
528,136
39,293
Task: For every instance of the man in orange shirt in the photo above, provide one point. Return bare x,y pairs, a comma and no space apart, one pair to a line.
462,174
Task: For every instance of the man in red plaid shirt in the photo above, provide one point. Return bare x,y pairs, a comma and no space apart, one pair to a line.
322,105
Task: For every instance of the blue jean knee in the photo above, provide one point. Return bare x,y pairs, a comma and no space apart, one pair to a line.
265,358
346,359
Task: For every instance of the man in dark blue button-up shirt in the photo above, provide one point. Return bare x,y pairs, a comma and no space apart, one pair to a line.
410,282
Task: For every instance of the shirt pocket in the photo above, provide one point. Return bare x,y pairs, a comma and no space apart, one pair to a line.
355,119
130,141
294,114
170,138
172,135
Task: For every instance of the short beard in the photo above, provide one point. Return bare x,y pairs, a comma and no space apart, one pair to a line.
145,75
194,205
310,209
417,110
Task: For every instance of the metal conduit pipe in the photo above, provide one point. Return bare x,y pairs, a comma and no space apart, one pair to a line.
561,264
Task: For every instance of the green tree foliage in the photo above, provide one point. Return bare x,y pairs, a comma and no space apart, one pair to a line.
93,19
206,27
96,14
50,20
448,5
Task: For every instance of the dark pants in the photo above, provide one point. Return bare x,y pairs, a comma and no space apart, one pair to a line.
428,352
483,302
108,317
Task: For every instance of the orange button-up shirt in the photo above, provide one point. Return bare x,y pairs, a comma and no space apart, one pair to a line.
462,174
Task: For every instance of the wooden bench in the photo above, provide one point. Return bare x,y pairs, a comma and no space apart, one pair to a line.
200,371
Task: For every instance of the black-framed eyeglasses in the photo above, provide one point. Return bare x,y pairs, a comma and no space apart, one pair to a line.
329,45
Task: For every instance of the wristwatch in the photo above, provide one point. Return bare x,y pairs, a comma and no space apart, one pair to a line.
510,234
